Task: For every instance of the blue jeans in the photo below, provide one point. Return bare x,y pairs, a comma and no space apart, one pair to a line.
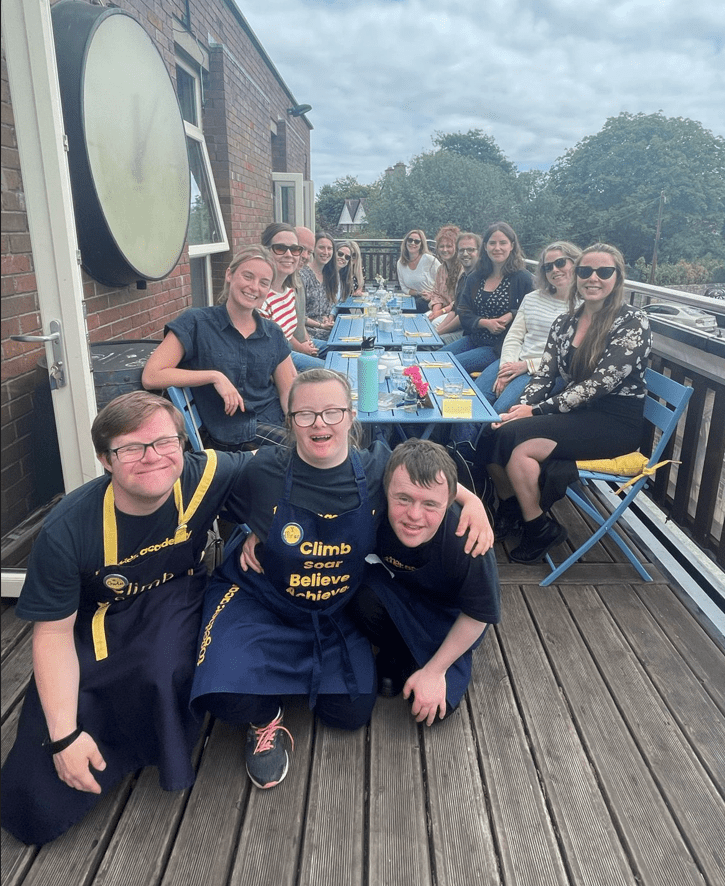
306,361
473,358
510,395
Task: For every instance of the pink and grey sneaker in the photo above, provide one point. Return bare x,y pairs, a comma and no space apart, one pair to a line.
267,760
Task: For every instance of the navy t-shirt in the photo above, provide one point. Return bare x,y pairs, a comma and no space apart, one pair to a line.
70,544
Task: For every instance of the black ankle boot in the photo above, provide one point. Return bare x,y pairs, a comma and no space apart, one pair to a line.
508,518
538,538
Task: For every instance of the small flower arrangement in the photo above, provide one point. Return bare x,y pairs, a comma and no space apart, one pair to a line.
380,280
416,379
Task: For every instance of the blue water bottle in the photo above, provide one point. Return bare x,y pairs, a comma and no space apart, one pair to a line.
367,377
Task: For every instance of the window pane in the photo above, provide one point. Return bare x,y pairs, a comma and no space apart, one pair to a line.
185,88
287,205
204,226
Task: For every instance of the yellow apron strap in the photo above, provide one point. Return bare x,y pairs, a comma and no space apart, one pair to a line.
100,646
110,532
201,490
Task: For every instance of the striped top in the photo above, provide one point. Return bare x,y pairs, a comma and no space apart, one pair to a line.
280,308
528,334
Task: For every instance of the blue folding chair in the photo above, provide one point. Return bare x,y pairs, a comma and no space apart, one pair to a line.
183,400
663,410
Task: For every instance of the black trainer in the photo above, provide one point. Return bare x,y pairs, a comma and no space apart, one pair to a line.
508,518
538,538
267,760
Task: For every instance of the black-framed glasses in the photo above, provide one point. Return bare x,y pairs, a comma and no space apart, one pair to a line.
557,263
345,255
468,250
305,418
281,248
414,241
584,272
136,451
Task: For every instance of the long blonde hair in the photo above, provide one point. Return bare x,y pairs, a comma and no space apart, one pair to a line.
354,269
592,345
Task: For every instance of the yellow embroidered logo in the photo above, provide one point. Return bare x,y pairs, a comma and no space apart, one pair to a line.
292,534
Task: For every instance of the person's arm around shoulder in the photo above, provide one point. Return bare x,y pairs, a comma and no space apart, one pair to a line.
162,370
474,520
57,674
428,684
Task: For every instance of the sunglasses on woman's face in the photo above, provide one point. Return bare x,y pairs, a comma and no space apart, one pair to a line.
281,248
414,241
584,272
557,263
344,255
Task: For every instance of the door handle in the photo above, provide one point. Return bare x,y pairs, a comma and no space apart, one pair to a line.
57,376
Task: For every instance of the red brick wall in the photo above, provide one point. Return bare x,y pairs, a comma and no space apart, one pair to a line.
243,96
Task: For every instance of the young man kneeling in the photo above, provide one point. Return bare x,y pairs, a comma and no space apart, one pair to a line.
425,603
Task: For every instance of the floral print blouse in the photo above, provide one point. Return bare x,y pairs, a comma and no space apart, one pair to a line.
317,305
620,369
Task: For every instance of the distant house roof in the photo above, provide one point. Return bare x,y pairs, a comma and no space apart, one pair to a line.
353,213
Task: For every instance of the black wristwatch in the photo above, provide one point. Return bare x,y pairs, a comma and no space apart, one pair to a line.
55,747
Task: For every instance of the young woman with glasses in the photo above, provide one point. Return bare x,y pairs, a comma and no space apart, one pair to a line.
280,306
417,268
238,362
490,298
599,347
350,270
321,283
315,509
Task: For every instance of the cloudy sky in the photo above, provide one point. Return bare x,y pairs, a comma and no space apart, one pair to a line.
383,76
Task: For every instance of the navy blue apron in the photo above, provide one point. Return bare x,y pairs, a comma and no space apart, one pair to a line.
134,690
422,623
286,632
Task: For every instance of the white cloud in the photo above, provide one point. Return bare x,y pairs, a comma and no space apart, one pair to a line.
537,75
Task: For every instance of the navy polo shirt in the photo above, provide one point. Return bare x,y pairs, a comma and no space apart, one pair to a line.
211,341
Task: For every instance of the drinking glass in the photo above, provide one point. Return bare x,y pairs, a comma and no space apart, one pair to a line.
407,354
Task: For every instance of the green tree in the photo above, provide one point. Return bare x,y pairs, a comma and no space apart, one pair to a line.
609,186
476,145
443,187
331,199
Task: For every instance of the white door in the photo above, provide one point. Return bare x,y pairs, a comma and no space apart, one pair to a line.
35,95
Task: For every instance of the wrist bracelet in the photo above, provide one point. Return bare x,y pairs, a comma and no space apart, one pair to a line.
55,747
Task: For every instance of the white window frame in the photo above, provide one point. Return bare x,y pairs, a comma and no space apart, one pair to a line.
196,134
281,180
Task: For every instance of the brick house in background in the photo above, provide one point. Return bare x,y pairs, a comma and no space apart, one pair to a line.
249,150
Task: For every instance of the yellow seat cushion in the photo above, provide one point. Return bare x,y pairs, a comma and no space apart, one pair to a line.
629,465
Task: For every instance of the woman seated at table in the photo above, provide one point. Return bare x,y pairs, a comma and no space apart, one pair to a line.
599,347
238,362
350,270
443,294
417,268
503,382
321,283
280,304
315,507
490,298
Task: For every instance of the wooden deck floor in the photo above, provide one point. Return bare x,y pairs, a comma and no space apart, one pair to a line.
590,750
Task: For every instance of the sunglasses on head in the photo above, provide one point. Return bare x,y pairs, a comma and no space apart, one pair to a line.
557,263
345,255
414,240
584,272
281,248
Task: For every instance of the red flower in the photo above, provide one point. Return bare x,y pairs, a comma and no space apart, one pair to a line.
414,374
